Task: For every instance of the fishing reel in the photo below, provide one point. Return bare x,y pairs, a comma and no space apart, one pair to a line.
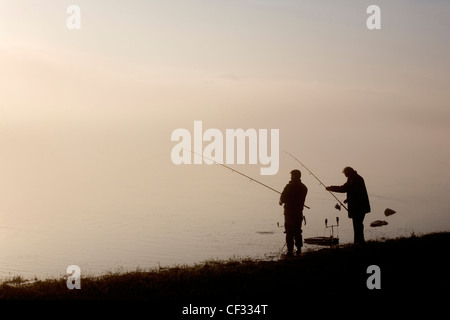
337,206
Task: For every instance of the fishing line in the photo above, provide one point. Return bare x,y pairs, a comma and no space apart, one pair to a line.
338,206
248,177
238,172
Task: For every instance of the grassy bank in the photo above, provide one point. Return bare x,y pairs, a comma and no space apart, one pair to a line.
414,267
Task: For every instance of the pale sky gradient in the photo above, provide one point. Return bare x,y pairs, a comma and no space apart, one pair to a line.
86,115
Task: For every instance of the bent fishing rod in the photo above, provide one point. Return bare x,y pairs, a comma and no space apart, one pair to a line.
242,174
338,206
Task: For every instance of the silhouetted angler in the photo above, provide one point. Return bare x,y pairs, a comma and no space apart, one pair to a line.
293,197
357,199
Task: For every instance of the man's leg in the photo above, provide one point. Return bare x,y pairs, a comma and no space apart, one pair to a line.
289,236
289,242
358,229
298,240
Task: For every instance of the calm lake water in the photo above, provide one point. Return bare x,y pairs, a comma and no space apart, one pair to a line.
182,220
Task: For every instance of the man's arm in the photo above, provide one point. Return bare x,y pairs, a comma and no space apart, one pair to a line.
284,195
340,189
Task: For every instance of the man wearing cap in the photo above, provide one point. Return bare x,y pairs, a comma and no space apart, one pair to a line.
293,197
357,199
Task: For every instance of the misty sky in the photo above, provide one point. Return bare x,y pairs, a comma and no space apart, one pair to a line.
86,115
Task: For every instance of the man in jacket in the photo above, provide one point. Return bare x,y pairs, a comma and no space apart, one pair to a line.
357,199
293,197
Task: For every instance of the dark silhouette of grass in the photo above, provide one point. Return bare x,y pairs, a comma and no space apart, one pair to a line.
412,268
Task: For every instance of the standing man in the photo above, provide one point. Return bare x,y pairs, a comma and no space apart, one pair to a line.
357,199
293,197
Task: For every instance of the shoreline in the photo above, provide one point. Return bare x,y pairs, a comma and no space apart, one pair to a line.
270,255
412,273
385,252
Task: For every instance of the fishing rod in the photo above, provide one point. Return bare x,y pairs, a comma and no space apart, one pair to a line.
338,206
242,174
